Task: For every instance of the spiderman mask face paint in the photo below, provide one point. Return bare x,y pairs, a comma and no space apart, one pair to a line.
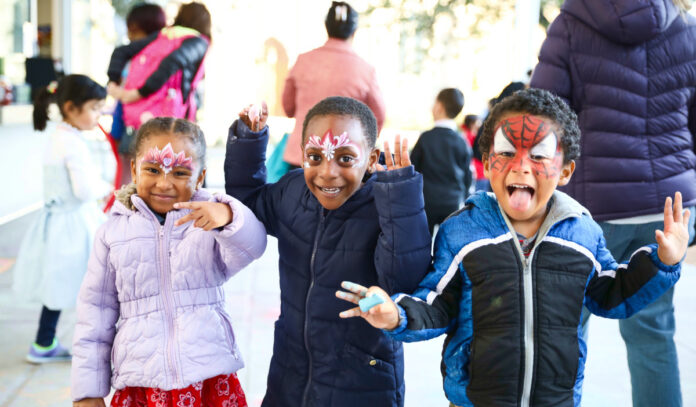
336,161
525,165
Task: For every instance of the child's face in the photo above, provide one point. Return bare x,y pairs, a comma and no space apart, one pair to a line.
85,117
336,157
166,171
525,164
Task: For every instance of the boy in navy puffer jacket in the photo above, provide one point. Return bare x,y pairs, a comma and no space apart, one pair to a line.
513,270
338,218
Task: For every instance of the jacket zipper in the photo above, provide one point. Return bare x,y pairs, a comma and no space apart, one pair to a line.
528,329
305,394
168,305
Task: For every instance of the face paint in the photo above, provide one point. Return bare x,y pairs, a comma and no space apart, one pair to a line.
330,143
167,159
526,140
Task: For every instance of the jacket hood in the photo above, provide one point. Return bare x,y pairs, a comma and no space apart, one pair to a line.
624,21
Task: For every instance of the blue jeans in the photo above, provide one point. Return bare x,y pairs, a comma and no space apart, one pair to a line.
649,334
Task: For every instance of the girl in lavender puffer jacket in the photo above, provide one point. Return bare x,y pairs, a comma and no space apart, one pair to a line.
151,319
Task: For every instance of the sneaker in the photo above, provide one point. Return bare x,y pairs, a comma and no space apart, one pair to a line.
46,354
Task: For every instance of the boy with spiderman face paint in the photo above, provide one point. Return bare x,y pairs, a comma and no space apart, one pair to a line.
513,269
342,216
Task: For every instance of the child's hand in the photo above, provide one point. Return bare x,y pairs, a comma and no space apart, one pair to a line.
255,116
384,316
673,241
89,402
207,215
400,159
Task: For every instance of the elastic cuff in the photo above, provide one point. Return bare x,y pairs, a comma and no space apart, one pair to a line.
396,175
652,249
403,321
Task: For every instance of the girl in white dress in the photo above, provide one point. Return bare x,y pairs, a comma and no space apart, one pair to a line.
53,256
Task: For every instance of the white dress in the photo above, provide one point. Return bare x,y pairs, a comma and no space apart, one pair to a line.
52,259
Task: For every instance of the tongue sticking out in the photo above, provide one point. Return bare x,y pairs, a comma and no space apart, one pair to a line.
521,198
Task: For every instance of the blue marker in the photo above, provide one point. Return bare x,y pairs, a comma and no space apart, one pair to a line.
369,302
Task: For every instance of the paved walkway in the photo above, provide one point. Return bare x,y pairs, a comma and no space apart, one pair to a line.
253,302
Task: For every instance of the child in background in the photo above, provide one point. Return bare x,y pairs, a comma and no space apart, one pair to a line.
151,319
512,270
166,67
142,20
444,158
339,217
470,128
53,256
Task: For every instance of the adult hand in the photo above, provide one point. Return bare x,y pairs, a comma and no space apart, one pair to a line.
255,116
130,96
672,242
400,158
114,90
90,402
206,215
383,316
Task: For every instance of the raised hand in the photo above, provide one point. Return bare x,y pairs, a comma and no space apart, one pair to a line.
206,215
672,242
400,158
255,116
383,316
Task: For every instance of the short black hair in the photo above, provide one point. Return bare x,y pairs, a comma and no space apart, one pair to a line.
147,17
341,25
470,120
452,100
344,106
537,102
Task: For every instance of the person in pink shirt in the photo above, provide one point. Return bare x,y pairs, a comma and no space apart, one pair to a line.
334,69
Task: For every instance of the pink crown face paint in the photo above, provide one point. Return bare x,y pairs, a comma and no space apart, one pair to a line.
328,145
167,159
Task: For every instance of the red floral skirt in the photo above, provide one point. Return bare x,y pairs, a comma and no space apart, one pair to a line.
218,391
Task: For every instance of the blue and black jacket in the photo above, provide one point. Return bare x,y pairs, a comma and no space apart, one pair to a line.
513,322
379,236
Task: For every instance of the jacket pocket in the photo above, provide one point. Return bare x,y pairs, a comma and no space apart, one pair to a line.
362,371
231,341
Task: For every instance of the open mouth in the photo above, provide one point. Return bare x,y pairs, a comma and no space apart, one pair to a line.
513,188
330,190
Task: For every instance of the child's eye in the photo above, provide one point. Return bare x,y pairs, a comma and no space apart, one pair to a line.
346,159
152,170
538,157
314,157
181,173
507,154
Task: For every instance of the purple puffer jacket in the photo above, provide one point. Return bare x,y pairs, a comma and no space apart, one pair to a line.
151,306
628,69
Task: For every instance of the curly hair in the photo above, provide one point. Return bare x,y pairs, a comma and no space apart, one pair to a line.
536,102
344,106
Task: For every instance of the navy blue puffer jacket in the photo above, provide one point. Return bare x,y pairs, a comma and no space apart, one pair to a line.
378,237
628,68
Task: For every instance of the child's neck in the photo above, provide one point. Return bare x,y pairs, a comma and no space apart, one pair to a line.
526,228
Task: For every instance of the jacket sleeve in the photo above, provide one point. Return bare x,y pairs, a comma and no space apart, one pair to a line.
620,290
464,163
241,241
190,53
375,101
552,73
97,313
123,54
692,122
433,309
402,255
289,95
245,174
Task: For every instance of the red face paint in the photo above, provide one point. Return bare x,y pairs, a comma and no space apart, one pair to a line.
522,142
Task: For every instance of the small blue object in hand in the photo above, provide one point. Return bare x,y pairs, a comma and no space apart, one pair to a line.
369,302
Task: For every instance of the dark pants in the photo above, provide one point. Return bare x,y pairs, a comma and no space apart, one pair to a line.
47,326
438,215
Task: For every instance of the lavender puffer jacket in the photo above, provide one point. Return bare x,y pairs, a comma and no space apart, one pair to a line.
151,306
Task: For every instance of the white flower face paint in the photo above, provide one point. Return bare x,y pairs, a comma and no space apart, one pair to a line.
330,143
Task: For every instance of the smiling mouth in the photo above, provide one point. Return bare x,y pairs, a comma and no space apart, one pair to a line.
163,197
330,191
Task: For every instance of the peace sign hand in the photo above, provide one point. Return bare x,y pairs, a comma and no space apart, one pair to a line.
255,116
206,215
400,158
